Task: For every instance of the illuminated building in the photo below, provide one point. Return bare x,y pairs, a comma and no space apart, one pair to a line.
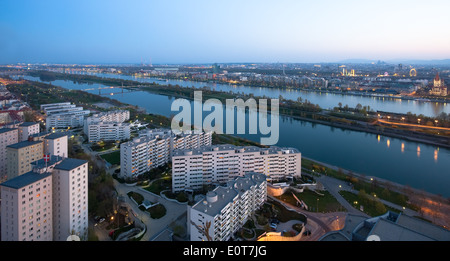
439,88
226,209
193,168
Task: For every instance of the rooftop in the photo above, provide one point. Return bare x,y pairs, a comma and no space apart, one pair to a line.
23,144
27,124
237,149
218,198
56,135
69,164
3,130
25,179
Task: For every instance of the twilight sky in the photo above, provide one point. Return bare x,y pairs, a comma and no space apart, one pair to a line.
207,31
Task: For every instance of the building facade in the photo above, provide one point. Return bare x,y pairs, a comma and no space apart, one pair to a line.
48,203
27,129
155,148
26,209
8,136
108,131
20,156
226,209
56,144
192,168
439,88
70,199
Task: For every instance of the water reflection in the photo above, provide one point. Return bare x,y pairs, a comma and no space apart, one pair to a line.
418,151
436,155
403,147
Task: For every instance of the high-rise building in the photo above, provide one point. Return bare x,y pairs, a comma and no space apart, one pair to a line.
192,168
154,148
20,156
63,115
108,131
8,136
50,202
26,209
226,209
70,199
27,129
108,126
56,144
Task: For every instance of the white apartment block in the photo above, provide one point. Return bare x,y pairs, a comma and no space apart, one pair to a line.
57,121
108,131
109,116
192,168
27,129
53,106
56,144
155,148
8,136
26,209
143,154
108,126
63,115
226,209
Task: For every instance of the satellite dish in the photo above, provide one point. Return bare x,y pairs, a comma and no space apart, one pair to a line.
73,238
373,238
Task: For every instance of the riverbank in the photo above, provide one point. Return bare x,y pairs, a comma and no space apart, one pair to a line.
304,111
426,98
431,207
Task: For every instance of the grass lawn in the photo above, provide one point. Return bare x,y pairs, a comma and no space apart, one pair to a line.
159,185
157,211
136,196
370,206
113,157
326,203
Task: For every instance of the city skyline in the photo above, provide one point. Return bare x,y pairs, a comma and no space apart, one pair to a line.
176,32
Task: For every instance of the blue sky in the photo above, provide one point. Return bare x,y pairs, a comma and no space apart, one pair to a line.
207,31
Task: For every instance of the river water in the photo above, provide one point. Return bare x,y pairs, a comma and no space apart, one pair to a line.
415,164
325,100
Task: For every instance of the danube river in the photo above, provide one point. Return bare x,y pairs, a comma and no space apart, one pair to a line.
325,100
415,164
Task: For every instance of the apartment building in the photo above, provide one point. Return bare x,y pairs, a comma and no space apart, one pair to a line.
27,129
109,116
63,115
226,209
8,136
192,168
50,202
154,148
108,126
56,144
143,154
26,209
20,156
108,131
70,199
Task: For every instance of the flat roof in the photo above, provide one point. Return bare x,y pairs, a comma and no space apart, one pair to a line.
23,144
69,164
3,130
229,147
56,135
225,195
28,123
25,179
